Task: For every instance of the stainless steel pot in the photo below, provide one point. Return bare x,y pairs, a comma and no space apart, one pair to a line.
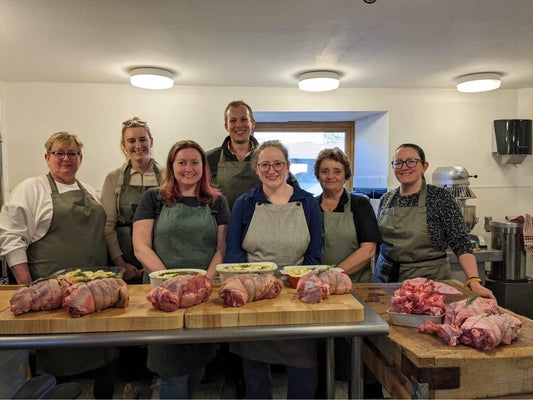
508,237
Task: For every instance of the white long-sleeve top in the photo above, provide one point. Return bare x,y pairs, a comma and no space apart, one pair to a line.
27,216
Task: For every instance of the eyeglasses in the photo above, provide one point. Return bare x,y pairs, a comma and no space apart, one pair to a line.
411,163
72,155
278,166
134,122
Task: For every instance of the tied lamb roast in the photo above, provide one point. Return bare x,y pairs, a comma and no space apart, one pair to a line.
43,295
319,284
87,297
240,289
180,291
476,322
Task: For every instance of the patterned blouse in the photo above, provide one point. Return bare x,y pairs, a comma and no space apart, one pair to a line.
444,219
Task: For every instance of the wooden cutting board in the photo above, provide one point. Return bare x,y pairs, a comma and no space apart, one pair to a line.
286,309
139,315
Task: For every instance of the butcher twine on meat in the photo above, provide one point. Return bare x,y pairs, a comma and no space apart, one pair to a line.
180,291
240,289
41,296
87,297
476,322
317,285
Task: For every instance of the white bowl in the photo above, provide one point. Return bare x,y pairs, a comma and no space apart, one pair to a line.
227,270
413,320
157,279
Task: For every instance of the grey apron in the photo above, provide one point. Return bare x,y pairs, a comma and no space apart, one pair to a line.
235,178
184,237
278,233
406,248
75,239
340,240
129,198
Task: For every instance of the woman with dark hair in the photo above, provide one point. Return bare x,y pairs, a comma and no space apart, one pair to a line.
417,223
181,224
350,227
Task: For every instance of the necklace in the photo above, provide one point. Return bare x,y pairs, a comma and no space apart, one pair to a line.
329,204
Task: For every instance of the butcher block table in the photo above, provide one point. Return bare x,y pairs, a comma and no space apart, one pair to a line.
414,365
141,324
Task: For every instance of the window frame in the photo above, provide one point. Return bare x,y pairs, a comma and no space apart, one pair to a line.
348,127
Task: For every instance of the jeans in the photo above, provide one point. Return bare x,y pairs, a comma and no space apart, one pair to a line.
181,387
302,381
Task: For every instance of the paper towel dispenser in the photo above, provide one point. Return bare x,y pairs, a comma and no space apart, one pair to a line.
513,140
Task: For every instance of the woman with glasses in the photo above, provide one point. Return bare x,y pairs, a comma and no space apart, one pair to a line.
52,222
418,222
278,222
122,191
181,224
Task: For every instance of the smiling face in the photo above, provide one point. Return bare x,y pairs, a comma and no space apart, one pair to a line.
331,175
408,176
63,169
272,179
239,124
137,143
187,167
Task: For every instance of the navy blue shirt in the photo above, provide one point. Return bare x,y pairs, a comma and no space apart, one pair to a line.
242,213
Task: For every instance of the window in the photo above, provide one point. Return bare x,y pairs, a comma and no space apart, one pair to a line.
305,140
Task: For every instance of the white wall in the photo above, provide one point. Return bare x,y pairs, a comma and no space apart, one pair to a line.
453,128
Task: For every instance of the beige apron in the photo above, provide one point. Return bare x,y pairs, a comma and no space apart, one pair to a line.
129,198
75,239
406,250
340,240
278,233
235,178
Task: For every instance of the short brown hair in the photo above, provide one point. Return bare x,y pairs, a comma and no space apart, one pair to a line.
334,154
60,138
238,103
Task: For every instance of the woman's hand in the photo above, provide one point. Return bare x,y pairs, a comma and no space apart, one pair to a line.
478,288
132,272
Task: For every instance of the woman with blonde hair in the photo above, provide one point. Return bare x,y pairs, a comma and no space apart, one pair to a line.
122,191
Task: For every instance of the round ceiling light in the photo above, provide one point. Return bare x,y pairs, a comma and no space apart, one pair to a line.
151,78
318,81
482,82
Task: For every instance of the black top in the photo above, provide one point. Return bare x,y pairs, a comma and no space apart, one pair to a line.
213,155
444,219
364,217
150,207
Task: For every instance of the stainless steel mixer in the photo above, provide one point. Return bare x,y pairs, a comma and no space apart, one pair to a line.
455,180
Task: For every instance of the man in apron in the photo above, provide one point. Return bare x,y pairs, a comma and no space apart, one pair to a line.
64,225
229,164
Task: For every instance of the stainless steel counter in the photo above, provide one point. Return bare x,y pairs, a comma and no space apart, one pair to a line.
372,324
483,256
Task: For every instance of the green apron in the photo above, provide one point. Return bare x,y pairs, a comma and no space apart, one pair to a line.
75,239
184,237
406,249
129,198
235,178
340,240
278,233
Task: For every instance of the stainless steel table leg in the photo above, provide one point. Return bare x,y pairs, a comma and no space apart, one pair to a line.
356,382
330,368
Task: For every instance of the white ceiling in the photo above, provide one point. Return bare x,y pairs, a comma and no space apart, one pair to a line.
388,44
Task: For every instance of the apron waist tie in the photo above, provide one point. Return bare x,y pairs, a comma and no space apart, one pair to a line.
394,275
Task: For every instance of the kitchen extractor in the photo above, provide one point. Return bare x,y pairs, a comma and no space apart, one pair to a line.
456,181
513,140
